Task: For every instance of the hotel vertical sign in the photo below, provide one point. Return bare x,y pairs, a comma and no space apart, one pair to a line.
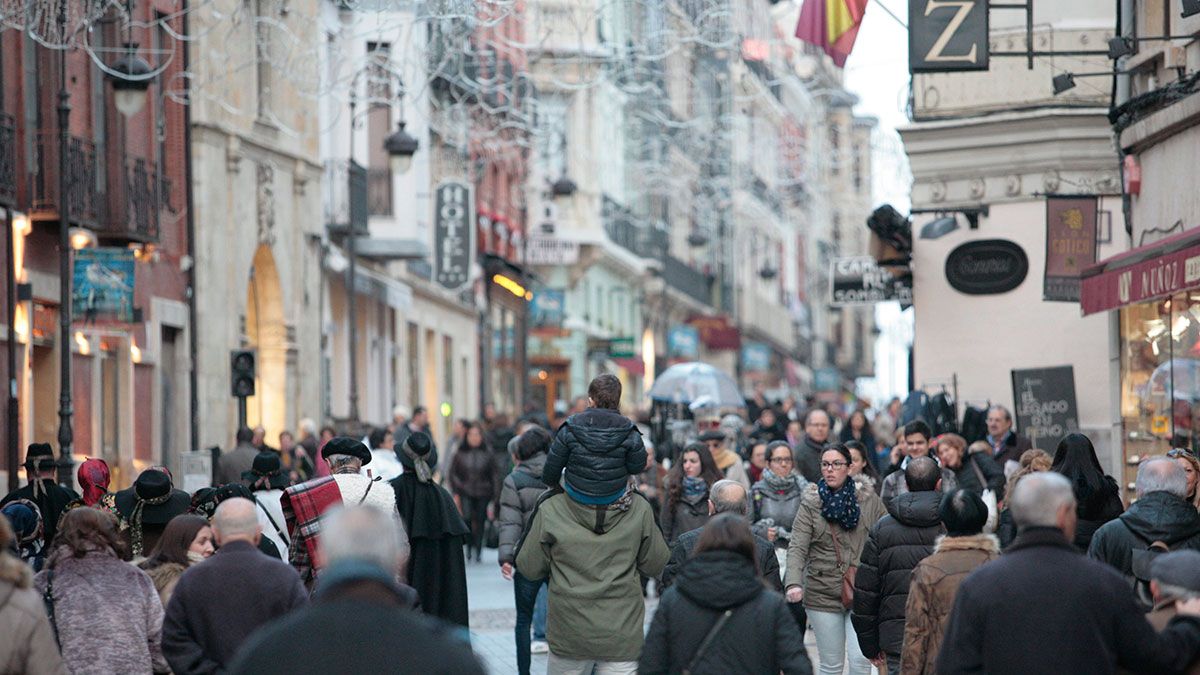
453,235
947,36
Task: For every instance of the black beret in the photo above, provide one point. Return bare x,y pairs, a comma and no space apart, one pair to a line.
344,445
1177,568
419,443
713,435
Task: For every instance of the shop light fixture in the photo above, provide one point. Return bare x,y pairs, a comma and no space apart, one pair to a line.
512,286
84,345
81,238
1180,326
135,353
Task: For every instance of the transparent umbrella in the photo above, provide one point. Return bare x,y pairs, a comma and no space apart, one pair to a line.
1179,378
695,382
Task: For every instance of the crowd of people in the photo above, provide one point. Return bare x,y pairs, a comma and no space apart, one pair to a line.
902,549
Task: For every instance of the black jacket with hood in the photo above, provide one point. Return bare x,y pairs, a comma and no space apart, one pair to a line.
1158,516
598,450
760,635
899,541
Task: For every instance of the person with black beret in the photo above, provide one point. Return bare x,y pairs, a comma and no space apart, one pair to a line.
306,503
50,497
437,568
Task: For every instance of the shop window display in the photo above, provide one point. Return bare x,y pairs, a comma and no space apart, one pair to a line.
1160,379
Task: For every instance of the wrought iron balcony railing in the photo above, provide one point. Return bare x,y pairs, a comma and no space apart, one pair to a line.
83,199
8,160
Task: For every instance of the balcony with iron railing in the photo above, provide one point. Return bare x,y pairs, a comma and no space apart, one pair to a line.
83,200
345,187
135,204
379,192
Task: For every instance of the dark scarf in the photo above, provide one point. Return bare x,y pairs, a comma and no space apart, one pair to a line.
694,486
840,507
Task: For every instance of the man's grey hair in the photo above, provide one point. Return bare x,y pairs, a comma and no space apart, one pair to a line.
1001,409
1161,474
729,496
343,462
364,534
1038,497
308,426
236,518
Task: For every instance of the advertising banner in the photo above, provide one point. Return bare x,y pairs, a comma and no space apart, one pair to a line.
102,285
683,342
861,281
1070,245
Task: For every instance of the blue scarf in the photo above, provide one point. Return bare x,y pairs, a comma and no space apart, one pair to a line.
694,486
839,507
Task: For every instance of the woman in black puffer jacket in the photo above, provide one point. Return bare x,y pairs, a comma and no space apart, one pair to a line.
718,617
1097,496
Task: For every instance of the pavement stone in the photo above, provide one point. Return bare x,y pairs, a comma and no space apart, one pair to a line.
493,618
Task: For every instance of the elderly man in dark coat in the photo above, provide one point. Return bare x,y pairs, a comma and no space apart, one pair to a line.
219,603
50,497
1004,610
1160,514
436,533
361,620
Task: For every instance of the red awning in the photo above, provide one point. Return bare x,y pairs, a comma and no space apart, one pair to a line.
1146,273
632,366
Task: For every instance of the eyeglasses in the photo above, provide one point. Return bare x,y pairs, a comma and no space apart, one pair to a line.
781,460
834,465
1180,452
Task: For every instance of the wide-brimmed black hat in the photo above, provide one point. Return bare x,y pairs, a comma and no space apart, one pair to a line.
40,456
713,435
419,443
266,465
344,445
160,500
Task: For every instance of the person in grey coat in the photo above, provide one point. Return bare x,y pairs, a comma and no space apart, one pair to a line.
518,497
237,461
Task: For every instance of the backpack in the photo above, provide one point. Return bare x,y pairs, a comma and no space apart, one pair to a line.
1143,559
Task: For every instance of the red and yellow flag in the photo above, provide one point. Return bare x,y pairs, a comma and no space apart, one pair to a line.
831,25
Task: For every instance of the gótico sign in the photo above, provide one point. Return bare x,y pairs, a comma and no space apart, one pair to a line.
947,35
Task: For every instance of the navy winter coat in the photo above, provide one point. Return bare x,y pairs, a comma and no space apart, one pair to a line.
598,450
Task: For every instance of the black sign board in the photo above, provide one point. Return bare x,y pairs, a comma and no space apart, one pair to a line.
861,281
453,235
1045,404
946,36
987,267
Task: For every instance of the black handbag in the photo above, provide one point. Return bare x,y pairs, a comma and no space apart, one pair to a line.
491,534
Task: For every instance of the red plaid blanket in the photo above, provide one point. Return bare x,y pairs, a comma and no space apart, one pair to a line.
303,505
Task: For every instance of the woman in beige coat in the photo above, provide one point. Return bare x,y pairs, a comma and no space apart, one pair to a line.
28,644
935,579
828,535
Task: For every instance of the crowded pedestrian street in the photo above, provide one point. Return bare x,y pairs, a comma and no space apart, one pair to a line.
599,337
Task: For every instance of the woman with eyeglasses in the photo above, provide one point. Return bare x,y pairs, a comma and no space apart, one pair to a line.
827,538
775,499
1191,466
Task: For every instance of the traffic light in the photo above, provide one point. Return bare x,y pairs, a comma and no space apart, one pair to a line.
242,373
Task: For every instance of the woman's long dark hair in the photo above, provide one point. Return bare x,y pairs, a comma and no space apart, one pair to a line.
176,539
483,438
869,468
728,532
1076,459
708,471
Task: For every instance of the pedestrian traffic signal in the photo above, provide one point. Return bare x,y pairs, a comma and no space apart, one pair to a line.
242,372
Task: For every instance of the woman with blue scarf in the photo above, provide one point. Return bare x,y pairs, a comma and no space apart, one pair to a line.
687,491
827,538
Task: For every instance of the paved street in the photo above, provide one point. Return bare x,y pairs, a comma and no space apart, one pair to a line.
493,618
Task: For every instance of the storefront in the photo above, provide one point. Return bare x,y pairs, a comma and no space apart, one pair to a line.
1156,291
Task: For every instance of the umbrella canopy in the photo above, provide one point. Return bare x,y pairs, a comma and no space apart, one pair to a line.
697,382
1179,377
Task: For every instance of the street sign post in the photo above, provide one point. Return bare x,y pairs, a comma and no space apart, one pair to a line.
861,281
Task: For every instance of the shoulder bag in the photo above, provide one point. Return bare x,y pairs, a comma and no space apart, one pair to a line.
989,499
279,531
48,599
848,575
712,633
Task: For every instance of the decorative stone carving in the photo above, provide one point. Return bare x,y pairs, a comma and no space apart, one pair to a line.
1012,185
977,188
937,191
233,155
299,178
1051,181
1109,182
266,203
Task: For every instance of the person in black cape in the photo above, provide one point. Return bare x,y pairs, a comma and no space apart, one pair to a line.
50,497
437,567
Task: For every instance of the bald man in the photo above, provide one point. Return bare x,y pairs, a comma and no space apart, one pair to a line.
217,604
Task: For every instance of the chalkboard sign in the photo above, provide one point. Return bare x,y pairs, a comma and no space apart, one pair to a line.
1045,404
